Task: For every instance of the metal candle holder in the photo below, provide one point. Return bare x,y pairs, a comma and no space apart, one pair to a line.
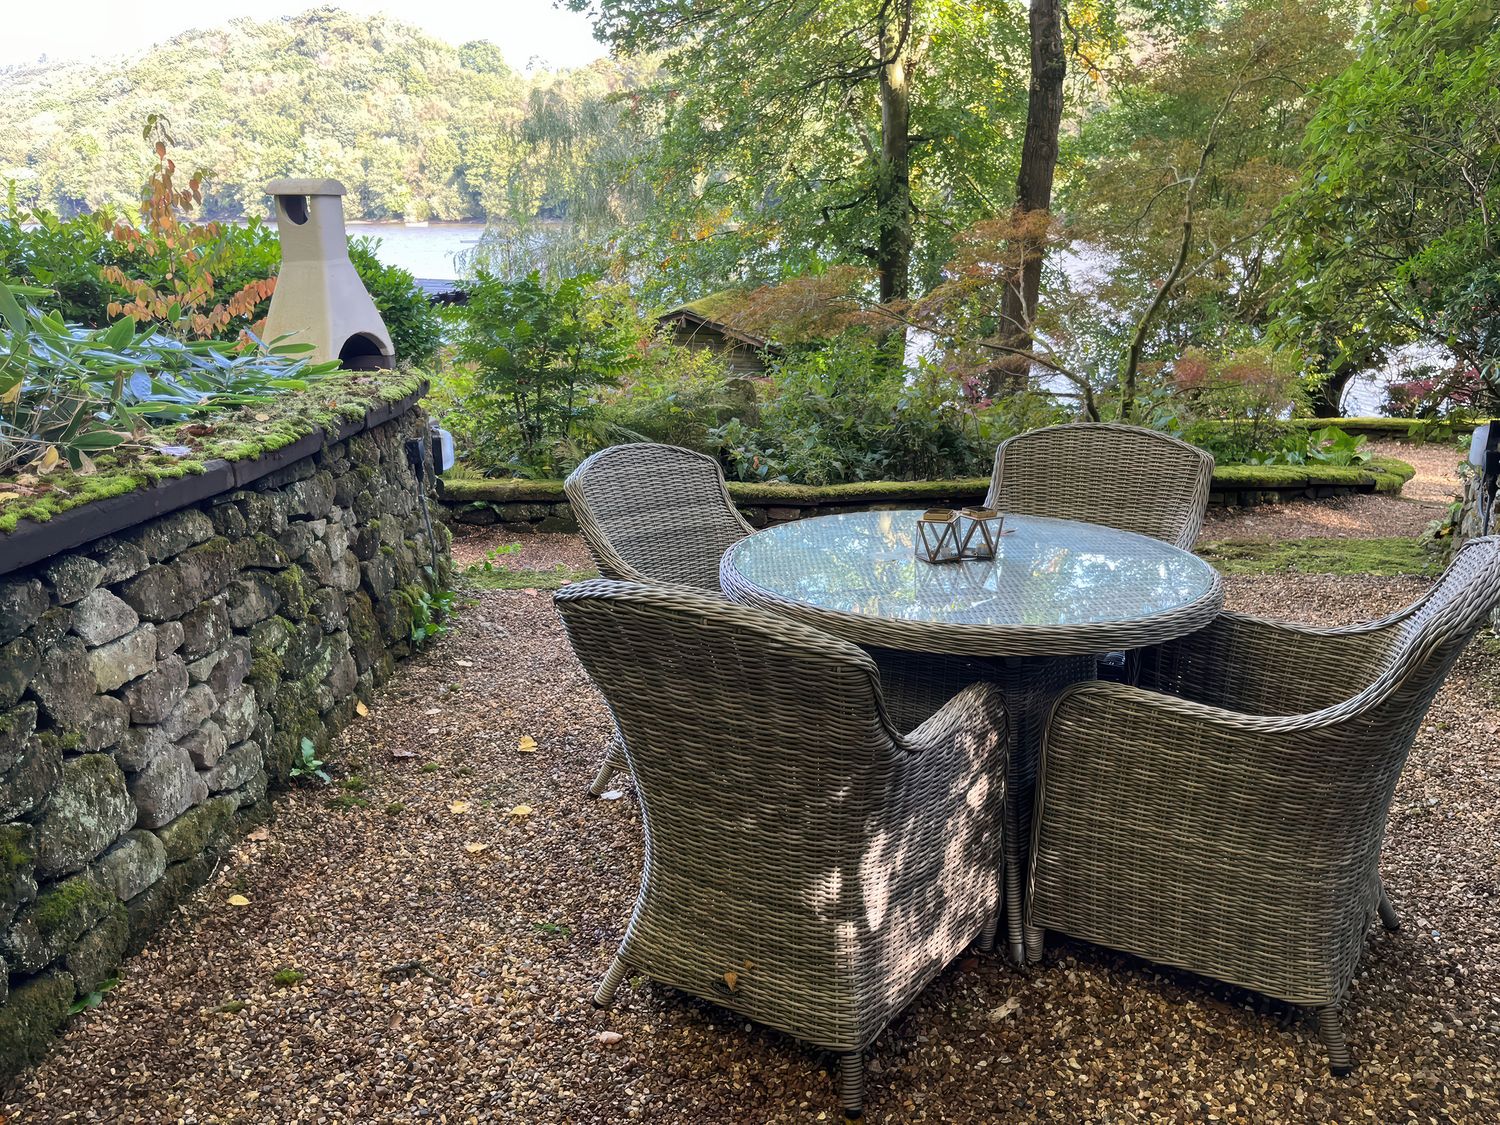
938,536
981,538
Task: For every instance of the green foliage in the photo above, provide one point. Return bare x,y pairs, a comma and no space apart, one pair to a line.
67,394
1396,219
490,576
415,327
843,412
538,353
94,998
429,609
306,765
287,978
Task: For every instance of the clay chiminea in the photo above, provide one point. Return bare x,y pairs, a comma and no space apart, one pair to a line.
319,299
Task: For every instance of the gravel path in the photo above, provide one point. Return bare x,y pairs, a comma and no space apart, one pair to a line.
452,922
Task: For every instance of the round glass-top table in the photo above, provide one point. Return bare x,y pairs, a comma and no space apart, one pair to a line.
1054,588
1033,620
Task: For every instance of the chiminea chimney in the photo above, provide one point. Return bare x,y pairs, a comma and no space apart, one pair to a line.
319,299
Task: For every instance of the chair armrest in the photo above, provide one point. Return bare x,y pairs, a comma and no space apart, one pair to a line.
1263,667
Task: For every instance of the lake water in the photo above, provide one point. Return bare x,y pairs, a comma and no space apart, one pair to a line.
426,251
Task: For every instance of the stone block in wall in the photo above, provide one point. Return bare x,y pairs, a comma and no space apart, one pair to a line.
16,726
205,628
166,788
72,577
132,865
93,957
197,704
31,1015
157,594
206,745
251,599
238,765
89,810
22,601
61,914
140,745
264,512
345,574
17,873
19,661
64,683
51,627
191,833
207,568
104,724
101,617
311,498
120,558
155,695
117,663
170,535
236,713
169,638
25,787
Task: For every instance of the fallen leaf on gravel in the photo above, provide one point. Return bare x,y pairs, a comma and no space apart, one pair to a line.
433,711
464,663
361,710
237,900
609,1038
611,794
403,753
459,807
1009,1008
520,812
473,847
259,835
527,745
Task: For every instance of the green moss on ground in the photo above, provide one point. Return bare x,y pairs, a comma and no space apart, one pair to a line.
238,435
1383,474
504,578
1385,557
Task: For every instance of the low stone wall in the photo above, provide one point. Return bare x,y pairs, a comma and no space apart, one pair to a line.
155,683
1471,520
540,505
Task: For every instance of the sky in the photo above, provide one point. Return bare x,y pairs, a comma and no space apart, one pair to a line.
525,30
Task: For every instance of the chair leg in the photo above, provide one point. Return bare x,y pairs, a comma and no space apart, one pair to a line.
604,996
1388,917
852,1084
985,942
614,760
1034,941
1331,1032
1013,929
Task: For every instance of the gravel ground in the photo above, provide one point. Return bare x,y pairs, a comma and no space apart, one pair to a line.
1423,499
452,924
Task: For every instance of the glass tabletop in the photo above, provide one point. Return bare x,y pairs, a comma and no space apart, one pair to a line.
1047,574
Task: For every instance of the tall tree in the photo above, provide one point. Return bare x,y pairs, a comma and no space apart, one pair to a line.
1044,106
792,133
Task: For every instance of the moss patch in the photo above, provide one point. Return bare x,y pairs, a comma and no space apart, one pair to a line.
13,852
503,578
237,435
61,908
1388,557
29,1018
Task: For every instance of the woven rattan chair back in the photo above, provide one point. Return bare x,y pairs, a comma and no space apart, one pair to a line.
655,513
791,872
1126,477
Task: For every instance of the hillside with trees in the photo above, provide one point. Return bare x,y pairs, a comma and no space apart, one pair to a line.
416,128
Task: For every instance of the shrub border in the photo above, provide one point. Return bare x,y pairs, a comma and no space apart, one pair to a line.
31,542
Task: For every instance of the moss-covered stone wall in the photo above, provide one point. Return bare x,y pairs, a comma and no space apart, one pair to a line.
156,684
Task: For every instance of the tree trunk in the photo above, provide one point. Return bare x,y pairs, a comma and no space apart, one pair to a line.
1044,104
893,176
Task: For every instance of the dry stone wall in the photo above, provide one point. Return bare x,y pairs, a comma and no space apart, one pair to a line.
155,684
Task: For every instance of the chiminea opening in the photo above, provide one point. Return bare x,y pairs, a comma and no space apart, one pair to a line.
295,207
361,352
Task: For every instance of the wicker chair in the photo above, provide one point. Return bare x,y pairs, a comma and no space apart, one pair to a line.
652,513
807,866
1126,477
1233,826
